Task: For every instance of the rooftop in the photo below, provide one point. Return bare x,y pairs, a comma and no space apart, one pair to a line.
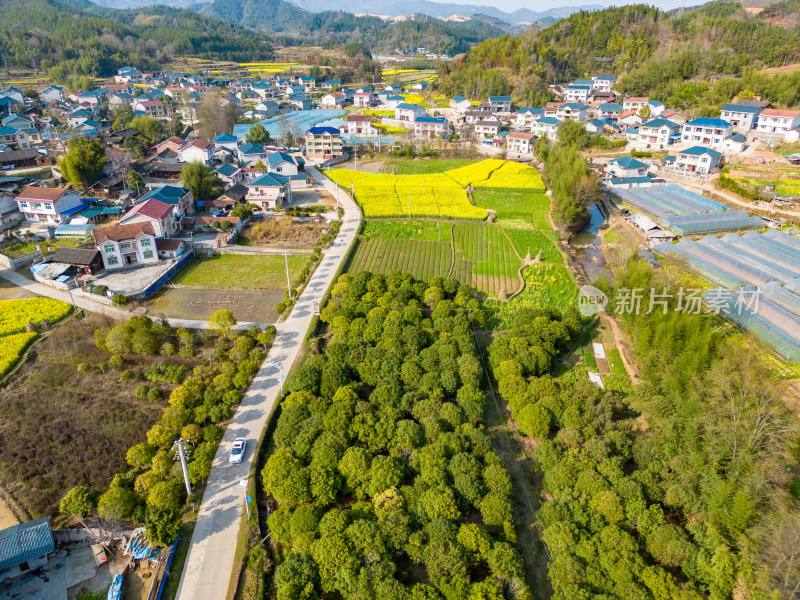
155,209
118,233
25,541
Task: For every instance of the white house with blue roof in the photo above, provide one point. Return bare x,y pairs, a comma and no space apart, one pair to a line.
657,133
603,83
226,140
459,104
500,104
741,116
697,159
269,191
181,198
546,127
282,163
250,154
571,110
430,127
394,101
707,132
408,112
527,115
626,166
577,92
229,173
13,93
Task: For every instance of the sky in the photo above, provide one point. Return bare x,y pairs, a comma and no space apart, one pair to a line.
541,5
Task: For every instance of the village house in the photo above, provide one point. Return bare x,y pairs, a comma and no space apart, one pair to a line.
227,141
160,215
151,108
362,98
658,133
698,159
323,143
577,93
520,144
333,99
603,83
773,120
49,205
571,110
360,125
181,198
629,118
634,102
706,131
526,116
488,128
609,110
459,104
52,93
197,151
126,245
430,127
741,116
626,166
408,112
250,154
269,191
546,127
280,162
229,173
500,104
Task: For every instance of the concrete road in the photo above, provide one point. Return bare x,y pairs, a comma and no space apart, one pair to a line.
210,563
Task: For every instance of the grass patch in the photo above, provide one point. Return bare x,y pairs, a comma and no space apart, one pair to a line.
240,271
47,246
535,242
546,286
404,166
529,206
408,230
615,363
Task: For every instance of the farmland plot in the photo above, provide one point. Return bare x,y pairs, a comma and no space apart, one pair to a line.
485,259
423,259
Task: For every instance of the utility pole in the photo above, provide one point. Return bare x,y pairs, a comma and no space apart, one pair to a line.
183,467
288,281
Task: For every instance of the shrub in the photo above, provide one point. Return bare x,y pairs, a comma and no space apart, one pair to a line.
100,290
116,361
142,391
78,501
120,299
187,351
155,394
167,373
167,349
84,367
127,375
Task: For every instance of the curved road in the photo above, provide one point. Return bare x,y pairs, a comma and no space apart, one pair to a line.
210,563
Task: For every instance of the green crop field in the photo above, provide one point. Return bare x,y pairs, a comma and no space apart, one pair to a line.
485,259
535,241
240,271
545,286
529,206
408,230
406,166
423,259
479,255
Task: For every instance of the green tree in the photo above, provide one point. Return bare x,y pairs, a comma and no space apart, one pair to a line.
78,501
83,163
258,135
222,321
150,130
116,504
297,578
201,179
140,456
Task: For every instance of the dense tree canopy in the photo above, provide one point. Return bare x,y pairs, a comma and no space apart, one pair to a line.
381,452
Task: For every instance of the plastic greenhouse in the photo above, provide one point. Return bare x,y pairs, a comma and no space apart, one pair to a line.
669,200
745,257
782,297
709,271
735,220
769,322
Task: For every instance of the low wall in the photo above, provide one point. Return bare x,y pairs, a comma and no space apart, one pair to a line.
23,261
397,123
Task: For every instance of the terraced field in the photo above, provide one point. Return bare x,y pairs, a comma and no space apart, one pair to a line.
423,259
485,259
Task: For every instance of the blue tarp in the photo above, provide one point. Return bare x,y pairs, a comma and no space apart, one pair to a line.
115,591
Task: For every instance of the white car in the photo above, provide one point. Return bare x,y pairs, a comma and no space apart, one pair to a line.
237,452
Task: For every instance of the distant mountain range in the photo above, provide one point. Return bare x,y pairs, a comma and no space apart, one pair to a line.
392,8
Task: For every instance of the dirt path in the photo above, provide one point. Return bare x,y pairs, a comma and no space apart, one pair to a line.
525,481
7,516
621,342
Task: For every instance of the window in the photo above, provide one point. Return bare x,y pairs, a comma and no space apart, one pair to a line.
148,254
145,242
112,260
23,205
109,248
124,245
48,206
37,205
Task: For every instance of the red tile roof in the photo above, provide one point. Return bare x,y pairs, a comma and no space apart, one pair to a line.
39,193
775,112
155,209
119,233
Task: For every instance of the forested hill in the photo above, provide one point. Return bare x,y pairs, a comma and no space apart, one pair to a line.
341,27
76,38
719,37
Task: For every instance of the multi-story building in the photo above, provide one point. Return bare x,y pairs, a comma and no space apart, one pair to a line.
160,215
698,159
571,110
500,103
741,116
626,166
360,125
48,205
408,112
546,127
269,191
603,83
430,127
577,93
323,143
459,104
520,144
773,120
126,245
634,102
152,108
706,131
181,198
526,116
658,133
487,128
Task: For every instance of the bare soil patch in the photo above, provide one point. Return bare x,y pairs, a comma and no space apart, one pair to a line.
285,232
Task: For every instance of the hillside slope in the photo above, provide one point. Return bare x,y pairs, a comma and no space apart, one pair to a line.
719,37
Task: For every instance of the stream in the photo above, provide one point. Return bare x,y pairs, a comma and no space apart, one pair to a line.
590,254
